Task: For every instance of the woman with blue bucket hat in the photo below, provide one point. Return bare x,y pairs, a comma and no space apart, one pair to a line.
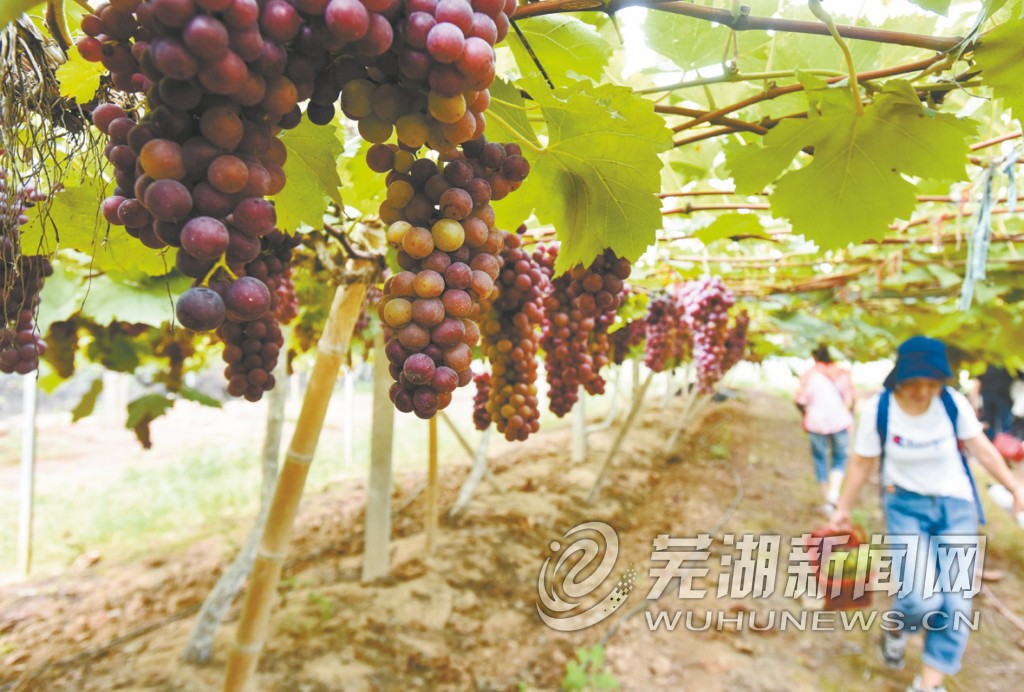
917,429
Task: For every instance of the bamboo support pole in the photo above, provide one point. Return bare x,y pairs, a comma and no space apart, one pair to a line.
476,474
266,573
431,520
376,563
635,409
222,595
578,449
26,504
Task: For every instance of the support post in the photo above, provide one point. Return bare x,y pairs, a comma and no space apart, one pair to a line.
619,437
476,474
266,573
376,562
578,451
348,395
29,407
431,523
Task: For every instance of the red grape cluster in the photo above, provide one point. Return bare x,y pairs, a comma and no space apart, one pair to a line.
448,246
661,349
21,280
252,337
625,338
511,338
705,303
736,342
481,416
579,311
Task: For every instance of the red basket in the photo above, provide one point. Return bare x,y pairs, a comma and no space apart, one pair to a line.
846,598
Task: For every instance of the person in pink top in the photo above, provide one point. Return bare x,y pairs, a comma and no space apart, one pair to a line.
825,398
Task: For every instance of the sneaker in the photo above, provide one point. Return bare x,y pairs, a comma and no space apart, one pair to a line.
892,647
828,509
916,687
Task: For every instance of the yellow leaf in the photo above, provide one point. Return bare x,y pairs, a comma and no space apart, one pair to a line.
79,79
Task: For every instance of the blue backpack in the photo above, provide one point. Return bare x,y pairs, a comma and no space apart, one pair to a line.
953,413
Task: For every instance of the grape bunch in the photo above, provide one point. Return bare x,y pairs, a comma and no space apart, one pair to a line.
579,310
663,323
511,339
448,246
625,338
21,280
705,304
481,416
736,342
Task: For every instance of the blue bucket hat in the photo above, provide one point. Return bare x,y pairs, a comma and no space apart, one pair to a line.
920,356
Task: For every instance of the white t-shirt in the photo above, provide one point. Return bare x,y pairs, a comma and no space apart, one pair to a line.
921,453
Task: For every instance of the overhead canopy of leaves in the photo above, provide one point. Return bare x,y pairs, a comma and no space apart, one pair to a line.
1001,59
566,47
596,178
855,186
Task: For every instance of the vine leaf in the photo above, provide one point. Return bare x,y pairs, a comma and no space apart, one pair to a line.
312,172
509,108
1001,59
364,188
855,186
12,9
142,302
689,43
936,6
565,46
87,404
729,225
596,179
80,226
79,79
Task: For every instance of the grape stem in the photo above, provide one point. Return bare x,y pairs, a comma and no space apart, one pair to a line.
821,13
222,263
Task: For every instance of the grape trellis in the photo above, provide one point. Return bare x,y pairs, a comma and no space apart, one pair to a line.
774,173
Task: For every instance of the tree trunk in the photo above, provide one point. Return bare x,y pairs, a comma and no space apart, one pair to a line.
200,643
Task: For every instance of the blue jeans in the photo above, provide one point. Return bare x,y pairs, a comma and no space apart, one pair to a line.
820,446
942,615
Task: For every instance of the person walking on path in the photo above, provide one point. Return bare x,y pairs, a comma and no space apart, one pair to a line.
826,398
996,401
912,429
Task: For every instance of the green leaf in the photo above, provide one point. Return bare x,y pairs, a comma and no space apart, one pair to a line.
1001,59
75,223
79,79
937,6
753,167
596,180
509,121
729,225
855,185
87,404
364,189
148,301
199,397
688,42
12,9
61,295
565,47
312,172
147,407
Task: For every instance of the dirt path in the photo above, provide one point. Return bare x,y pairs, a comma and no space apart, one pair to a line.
466,617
